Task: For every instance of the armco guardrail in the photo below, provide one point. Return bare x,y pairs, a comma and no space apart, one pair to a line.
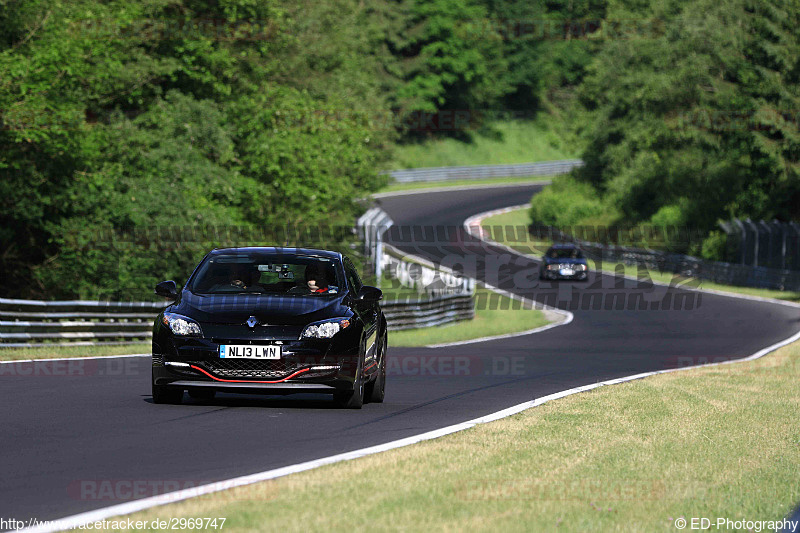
371,226
444,296
693,267
425,279
545,168
683,265
423,313
26,323
760,243
440,298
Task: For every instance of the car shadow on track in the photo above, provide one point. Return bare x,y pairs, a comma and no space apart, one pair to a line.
294,401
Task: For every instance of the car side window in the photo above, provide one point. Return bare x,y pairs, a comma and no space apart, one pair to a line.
352,276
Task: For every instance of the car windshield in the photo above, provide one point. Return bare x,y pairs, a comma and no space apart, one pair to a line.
238,273
564,253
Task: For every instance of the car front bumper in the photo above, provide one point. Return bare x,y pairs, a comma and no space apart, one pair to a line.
308,365
578,275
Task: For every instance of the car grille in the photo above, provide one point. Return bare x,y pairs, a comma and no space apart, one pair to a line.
244,369
577,267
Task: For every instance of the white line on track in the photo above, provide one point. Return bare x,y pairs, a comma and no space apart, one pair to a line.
502,336
155,501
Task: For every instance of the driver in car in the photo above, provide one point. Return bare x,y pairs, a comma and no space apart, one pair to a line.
316,278
316,281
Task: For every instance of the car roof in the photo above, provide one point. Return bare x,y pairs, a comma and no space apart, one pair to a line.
564,245
279,250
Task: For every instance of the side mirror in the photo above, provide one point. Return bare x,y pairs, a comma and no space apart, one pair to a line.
167,289
369,294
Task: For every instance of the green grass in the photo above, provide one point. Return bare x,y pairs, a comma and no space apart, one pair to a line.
46,352
499,227
460,184
712,442
494,315
515,141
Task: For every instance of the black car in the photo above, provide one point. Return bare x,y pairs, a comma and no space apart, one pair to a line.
564,261
271,321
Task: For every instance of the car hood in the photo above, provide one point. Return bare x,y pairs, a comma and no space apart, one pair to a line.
268,309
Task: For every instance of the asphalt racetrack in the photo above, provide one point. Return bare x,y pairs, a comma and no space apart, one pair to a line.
83,435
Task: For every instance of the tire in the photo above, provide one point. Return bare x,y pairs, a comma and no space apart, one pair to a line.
164,394
377,389
202,394
353,399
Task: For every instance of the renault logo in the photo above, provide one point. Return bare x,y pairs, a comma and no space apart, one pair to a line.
252,321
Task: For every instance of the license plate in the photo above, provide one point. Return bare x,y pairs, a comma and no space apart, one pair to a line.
567,272
238,351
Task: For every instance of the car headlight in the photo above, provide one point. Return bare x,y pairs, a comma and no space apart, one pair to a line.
553,267
181,325
580,267
325,329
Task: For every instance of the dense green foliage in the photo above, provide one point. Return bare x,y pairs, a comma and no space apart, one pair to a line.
121,123
173,115
691,124
135,136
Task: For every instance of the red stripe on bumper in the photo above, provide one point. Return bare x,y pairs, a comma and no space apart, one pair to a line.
248,380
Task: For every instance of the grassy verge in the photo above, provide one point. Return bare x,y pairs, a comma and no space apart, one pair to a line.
394,187
497,318
713,442
516,141
519,240
46,352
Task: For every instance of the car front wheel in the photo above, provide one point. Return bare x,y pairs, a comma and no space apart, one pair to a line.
353,399
377,389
